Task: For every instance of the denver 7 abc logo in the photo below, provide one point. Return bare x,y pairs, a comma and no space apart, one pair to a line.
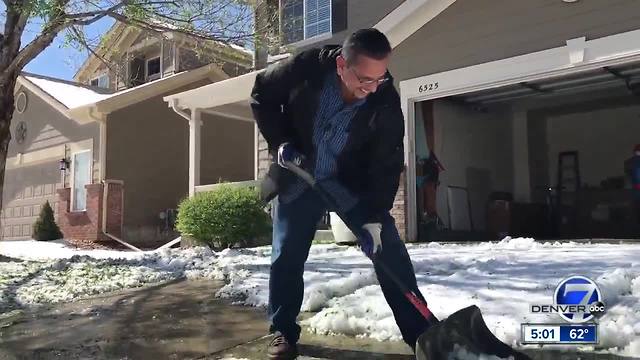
577,299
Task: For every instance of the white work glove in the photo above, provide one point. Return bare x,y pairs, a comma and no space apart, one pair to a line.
287,154
370,241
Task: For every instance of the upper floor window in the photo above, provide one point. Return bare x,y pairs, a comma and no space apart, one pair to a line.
305,19
101,81
153,68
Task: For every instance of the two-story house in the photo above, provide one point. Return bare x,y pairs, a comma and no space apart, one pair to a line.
106,151
130,57
530,106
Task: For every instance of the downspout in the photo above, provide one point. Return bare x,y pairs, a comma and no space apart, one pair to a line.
101,119
174,107
161,56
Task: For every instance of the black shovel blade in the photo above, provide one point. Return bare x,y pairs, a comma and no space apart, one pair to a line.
466,328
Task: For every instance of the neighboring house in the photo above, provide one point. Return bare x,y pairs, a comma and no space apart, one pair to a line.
130,56
125,152
499,90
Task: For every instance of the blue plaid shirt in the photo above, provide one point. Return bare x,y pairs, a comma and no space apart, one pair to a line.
329,138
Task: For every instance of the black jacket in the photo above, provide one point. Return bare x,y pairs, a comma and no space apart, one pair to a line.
284,101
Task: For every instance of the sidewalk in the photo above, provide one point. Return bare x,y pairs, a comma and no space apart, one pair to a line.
177,320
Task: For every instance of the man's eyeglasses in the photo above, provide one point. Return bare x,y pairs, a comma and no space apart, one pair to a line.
378,82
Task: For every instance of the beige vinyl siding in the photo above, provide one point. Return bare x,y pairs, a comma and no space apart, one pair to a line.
150,132
32,173
470,32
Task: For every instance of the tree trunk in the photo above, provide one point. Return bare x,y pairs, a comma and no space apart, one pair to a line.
7,85
265,17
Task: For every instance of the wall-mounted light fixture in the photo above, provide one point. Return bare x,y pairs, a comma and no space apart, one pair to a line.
64,164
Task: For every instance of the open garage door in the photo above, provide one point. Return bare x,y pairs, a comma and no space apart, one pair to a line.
543,158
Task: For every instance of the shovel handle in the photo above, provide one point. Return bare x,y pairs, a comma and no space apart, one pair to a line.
420,305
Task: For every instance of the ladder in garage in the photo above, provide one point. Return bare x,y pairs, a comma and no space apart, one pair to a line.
567,190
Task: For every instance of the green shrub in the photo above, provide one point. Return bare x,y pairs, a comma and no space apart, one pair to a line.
45,228
224,217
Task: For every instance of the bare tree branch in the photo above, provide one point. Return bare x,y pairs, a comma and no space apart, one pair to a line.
55,25
90,21
186,21
83,41
162,28
215,22
210,21
100,13
106,12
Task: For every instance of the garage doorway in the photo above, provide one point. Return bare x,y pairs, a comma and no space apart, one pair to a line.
533,145
543,159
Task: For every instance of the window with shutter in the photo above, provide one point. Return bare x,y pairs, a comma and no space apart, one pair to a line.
317,18
101,81
292,20
153,68
305,19
339,16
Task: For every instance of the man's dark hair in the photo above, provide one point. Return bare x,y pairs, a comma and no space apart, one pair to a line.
368,42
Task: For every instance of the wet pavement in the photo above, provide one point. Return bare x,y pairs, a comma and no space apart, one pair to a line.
342,347
179,320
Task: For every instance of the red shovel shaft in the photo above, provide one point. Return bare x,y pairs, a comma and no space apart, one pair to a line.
420,305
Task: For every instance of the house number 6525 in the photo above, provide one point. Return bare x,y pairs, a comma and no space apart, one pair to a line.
428,87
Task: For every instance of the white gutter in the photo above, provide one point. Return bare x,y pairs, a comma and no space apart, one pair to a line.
174,106
409,17
229,115
170,243
161,57
228,91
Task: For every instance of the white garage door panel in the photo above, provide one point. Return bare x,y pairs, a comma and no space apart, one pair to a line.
20,215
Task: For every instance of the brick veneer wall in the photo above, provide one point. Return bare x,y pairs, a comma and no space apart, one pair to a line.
85,227
263,157
399,206
399,209
115,209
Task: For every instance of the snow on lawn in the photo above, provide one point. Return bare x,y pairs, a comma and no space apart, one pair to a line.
53,272
39,250
502,278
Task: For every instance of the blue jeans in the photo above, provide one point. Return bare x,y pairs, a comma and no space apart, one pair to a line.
294,226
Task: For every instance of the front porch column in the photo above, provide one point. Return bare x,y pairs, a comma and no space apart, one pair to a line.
195,123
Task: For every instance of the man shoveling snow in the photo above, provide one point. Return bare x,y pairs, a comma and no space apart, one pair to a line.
333,112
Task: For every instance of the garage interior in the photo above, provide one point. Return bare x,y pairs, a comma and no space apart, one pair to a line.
542,159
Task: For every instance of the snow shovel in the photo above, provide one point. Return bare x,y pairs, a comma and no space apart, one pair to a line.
465,328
